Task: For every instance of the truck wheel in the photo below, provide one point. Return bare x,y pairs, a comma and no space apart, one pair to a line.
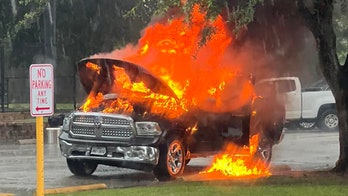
328,120
264,144
81,168
264,149
171,161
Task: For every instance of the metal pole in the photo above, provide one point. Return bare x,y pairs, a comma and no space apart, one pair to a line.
2,71
74,86
39,157
54,40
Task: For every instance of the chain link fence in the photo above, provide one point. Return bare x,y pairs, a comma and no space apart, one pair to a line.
68,94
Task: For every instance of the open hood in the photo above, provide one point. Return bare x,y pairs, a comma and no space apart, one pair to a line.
98,75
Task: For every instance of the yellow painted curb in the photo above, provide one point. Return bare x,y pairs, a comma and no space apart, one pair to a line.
75,188
6,194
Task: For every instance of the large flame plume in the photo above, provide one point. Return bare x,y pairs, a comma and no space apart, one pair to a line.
202,74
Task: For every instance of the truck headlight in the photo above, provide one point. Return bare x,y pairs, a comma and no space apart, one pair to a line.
148,128
66,124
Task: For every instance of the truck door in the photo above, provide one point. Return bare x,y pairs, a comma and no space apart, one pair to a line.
289,90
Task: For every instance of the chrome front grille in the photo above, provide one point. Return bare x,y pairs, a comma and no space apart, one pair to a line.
101,126
84,119
112,121
81,130
117,132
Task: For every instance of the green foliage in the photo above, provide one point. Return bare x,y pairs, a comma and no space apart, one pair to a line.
242,11
340,22
207,32
24,14
78,21
243,14
88,27
213,7
142,10
81,28
28,19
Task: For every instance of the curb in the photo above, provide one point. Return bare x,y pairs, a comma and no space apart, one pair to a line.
26,141
75,189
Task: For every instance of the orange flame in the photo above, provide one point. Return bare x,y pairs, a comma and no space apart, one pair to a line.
237,161
94,67
129,93
199,72
178,57
92,102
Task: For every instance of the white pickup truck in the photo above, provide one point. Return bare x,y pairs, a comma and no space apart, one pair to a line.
305,107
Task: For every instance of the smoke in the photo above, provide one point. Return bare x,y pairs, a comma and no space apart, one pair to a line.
120,53
280,43
42,59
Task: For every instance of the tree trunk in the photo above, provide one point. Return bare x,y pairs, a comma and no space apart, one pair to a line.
342,108
318,18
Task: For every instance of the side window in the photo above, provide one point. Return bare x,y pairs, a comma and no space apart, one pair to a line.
285,86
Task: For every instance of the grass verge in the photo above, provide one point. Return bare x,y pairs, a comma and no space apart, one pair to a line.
319,184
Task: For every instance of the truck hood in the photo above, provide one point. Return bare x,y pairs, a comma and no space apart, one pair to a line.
97,74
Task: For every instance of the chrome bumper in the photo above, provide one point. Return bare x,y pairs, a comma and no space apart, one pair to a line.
138,154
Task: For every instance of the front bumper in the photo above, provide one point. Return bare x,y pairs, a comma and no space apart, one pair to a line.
113,153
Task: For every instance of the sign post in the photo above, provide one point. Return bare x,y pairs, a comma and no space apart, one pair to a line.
41,104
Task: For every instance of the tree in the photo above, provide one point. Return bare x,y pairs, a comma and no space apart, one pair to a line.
318,18
85,28
18,15
14,17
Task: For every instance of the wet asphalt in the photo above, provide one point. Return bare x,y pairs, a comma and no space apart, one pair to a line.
300,150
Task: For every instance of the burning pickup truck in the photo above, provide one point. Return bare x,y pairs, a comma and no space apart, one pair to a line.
133,119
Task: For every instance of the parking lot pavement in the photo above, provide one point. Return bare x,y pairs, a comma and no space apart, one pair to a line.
299,151
305,150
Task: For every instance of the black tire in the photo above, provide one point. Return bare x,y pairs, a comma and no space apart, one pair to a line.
171,162
81,168
328,120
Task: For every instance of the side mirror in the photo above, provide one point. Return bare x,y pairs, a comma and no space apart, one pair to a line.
56,120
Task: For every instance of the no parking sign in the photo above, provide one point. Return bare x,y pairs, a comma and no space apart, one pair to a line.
41,90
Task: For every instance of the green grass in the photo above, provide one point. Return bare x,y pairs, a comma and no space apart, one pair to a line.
316,185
